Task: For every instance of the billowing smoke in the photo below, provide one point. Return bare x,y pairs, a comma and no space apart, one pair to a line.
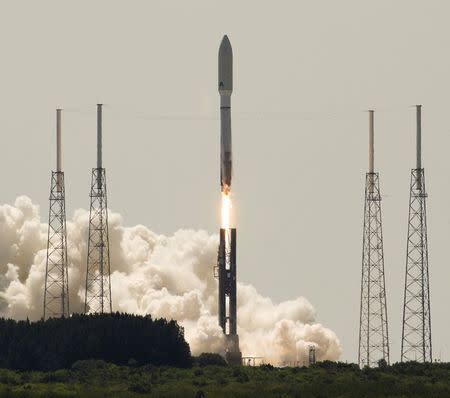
169,277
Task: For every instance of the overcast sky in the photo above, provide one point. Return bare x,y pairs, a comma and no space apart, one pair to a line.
304,73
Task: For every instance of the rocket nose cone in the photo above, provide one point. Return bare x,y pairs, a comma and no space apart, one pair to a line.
225,43
225,66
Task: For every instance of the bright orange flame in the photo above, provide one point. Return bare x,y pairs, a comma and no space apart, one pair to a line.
226,209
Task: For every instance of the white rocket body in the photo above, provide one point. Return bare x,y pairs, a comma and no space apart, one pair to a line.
225,90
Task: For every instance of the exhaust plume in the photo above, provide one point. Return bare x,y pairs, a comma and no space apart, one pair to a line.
165,276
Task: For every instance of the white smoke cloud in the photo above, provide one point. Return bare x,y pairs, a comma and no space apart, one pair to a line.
169,277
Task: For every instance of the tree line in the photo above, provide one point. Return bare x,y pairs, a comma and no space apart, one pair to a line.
117,338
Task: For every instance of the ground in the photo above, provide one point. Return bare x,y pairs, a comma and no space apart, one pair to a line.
95,379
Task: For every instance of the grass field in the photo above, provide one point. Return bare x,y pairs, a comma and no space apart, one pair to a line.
89,379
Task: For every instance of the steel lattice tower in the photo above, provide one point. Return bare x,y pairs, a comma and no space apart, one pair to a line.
98,273
227,302
416,330
56,289
373,327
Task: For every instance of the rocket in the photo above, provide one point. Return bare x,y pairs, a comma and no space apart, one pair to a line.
225,90
226,262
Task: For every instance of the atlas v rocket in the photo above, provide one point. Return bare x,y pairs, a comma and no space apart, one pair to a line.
226,263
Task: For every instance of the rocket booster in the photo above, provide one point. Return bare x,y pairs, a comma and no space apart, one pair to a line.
225,90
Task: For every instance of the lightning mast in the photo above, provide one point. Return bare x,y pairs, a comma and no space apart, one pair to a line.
416,329
98,278
56,289
373,326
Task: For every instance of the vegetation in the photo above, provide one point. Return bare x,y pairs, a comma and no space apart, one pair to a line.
128,356
115,338
208,358
95,379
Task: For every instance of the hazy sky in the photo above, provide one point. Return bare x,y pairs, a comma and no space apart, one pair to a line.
304,72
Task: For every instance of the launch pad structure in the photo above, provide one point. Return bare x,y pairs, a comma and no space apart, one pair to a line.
373,325
311,355
416,328
56,286
98,272
228,294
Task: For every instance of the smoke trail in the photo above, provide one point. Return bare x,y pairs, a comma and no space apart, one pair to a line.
166,276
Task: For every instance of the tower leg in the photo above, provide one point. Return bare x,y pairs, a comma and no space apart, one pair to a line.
416,330
373,328
56,291
98,278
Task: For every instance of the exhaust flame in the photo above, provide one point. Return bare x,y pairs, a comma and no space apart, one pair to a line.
226,209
